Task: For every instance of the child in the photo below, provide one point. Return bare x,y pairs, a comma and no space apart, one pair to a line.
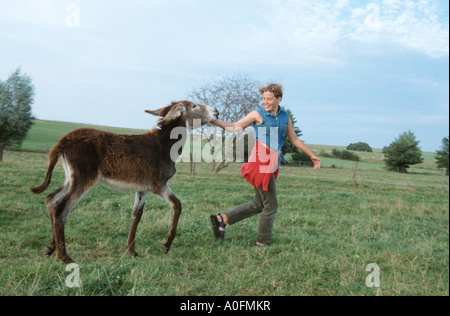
271,124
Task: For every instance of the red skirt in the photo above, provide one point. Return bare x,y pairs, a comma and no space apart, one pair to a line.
262,163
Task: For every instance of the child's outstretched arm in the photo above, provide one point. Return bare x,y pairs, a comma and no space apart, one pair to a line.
300,145
240,125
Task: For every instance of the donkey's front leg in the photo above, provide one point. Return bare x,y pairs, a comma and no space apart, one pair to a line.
136,216
170,198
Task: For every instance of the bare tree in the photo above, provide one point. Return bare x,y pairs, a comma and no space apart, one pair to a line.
234,97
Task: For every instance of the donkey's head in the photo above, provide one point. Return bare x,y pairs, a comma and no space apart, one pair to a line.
187,111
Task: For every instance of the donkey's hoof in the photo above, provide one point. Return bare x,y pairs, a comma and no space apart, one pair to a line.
165,249
134,255
67,260
49,251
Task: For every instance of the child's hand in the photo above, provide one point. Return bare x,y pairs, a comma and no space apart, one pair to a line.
316,162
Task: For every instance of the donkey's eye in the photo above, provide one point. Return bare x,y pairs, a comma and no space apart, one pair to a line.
195,106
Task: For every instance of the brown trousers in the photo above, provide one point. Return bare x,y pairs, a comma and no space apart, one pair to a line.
264,203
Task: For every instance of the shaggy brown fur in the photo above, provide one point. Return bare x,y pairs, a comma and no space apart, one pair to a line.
139,163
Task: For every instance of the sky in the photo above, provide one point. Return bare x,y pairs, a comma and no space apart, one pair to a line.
353,71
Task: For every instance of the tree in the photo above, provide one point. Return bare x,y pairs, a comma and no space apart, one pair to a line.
360,147
297,154
234,97
442,156
288,146
403,152
16,98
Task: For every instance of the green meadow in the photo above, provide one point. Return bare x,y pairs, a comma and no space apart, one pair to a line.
43,135
327,231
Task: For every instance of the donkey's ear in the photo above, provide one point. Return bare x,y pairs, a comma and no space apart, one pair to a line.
174,113
155,112
160,112
169,113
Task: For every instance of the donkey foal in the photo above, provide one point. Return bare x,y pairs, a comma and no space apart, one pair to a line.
139,163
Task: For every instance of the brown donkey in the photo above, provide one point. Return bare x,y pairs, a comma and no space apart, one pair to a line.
138,163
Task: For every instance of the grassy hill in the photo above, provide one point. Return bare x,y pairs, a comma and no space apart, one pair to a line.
43,135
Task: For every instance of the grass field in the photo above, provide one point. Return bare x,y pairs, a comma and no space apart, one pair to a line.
43,135
326,232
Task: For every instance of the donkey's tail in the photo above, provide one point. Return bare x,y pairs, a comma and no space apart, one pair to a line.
54,155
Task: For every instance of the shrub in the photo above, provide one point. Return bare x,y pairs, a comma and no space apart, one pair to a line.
345,155
360,147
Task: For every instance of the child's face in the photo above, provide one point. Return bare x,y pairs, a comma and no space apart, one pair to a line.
270,102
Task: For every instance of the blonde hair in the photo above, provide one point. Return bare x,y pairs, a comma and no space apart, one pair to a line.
276,89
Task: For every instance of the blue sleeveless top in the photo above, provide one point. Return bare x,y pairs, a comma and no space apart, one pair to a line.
272,131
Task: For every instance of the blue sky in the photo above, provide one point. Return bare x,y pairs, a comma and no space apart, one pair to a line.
352,70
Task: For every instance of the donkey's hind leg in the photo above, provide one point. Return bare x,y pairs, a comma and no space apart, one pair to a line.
56,198
59,207
50,202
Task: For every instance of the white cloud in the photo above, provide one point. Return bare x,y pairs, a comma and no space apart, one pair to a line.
411,24
252,31
315,30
